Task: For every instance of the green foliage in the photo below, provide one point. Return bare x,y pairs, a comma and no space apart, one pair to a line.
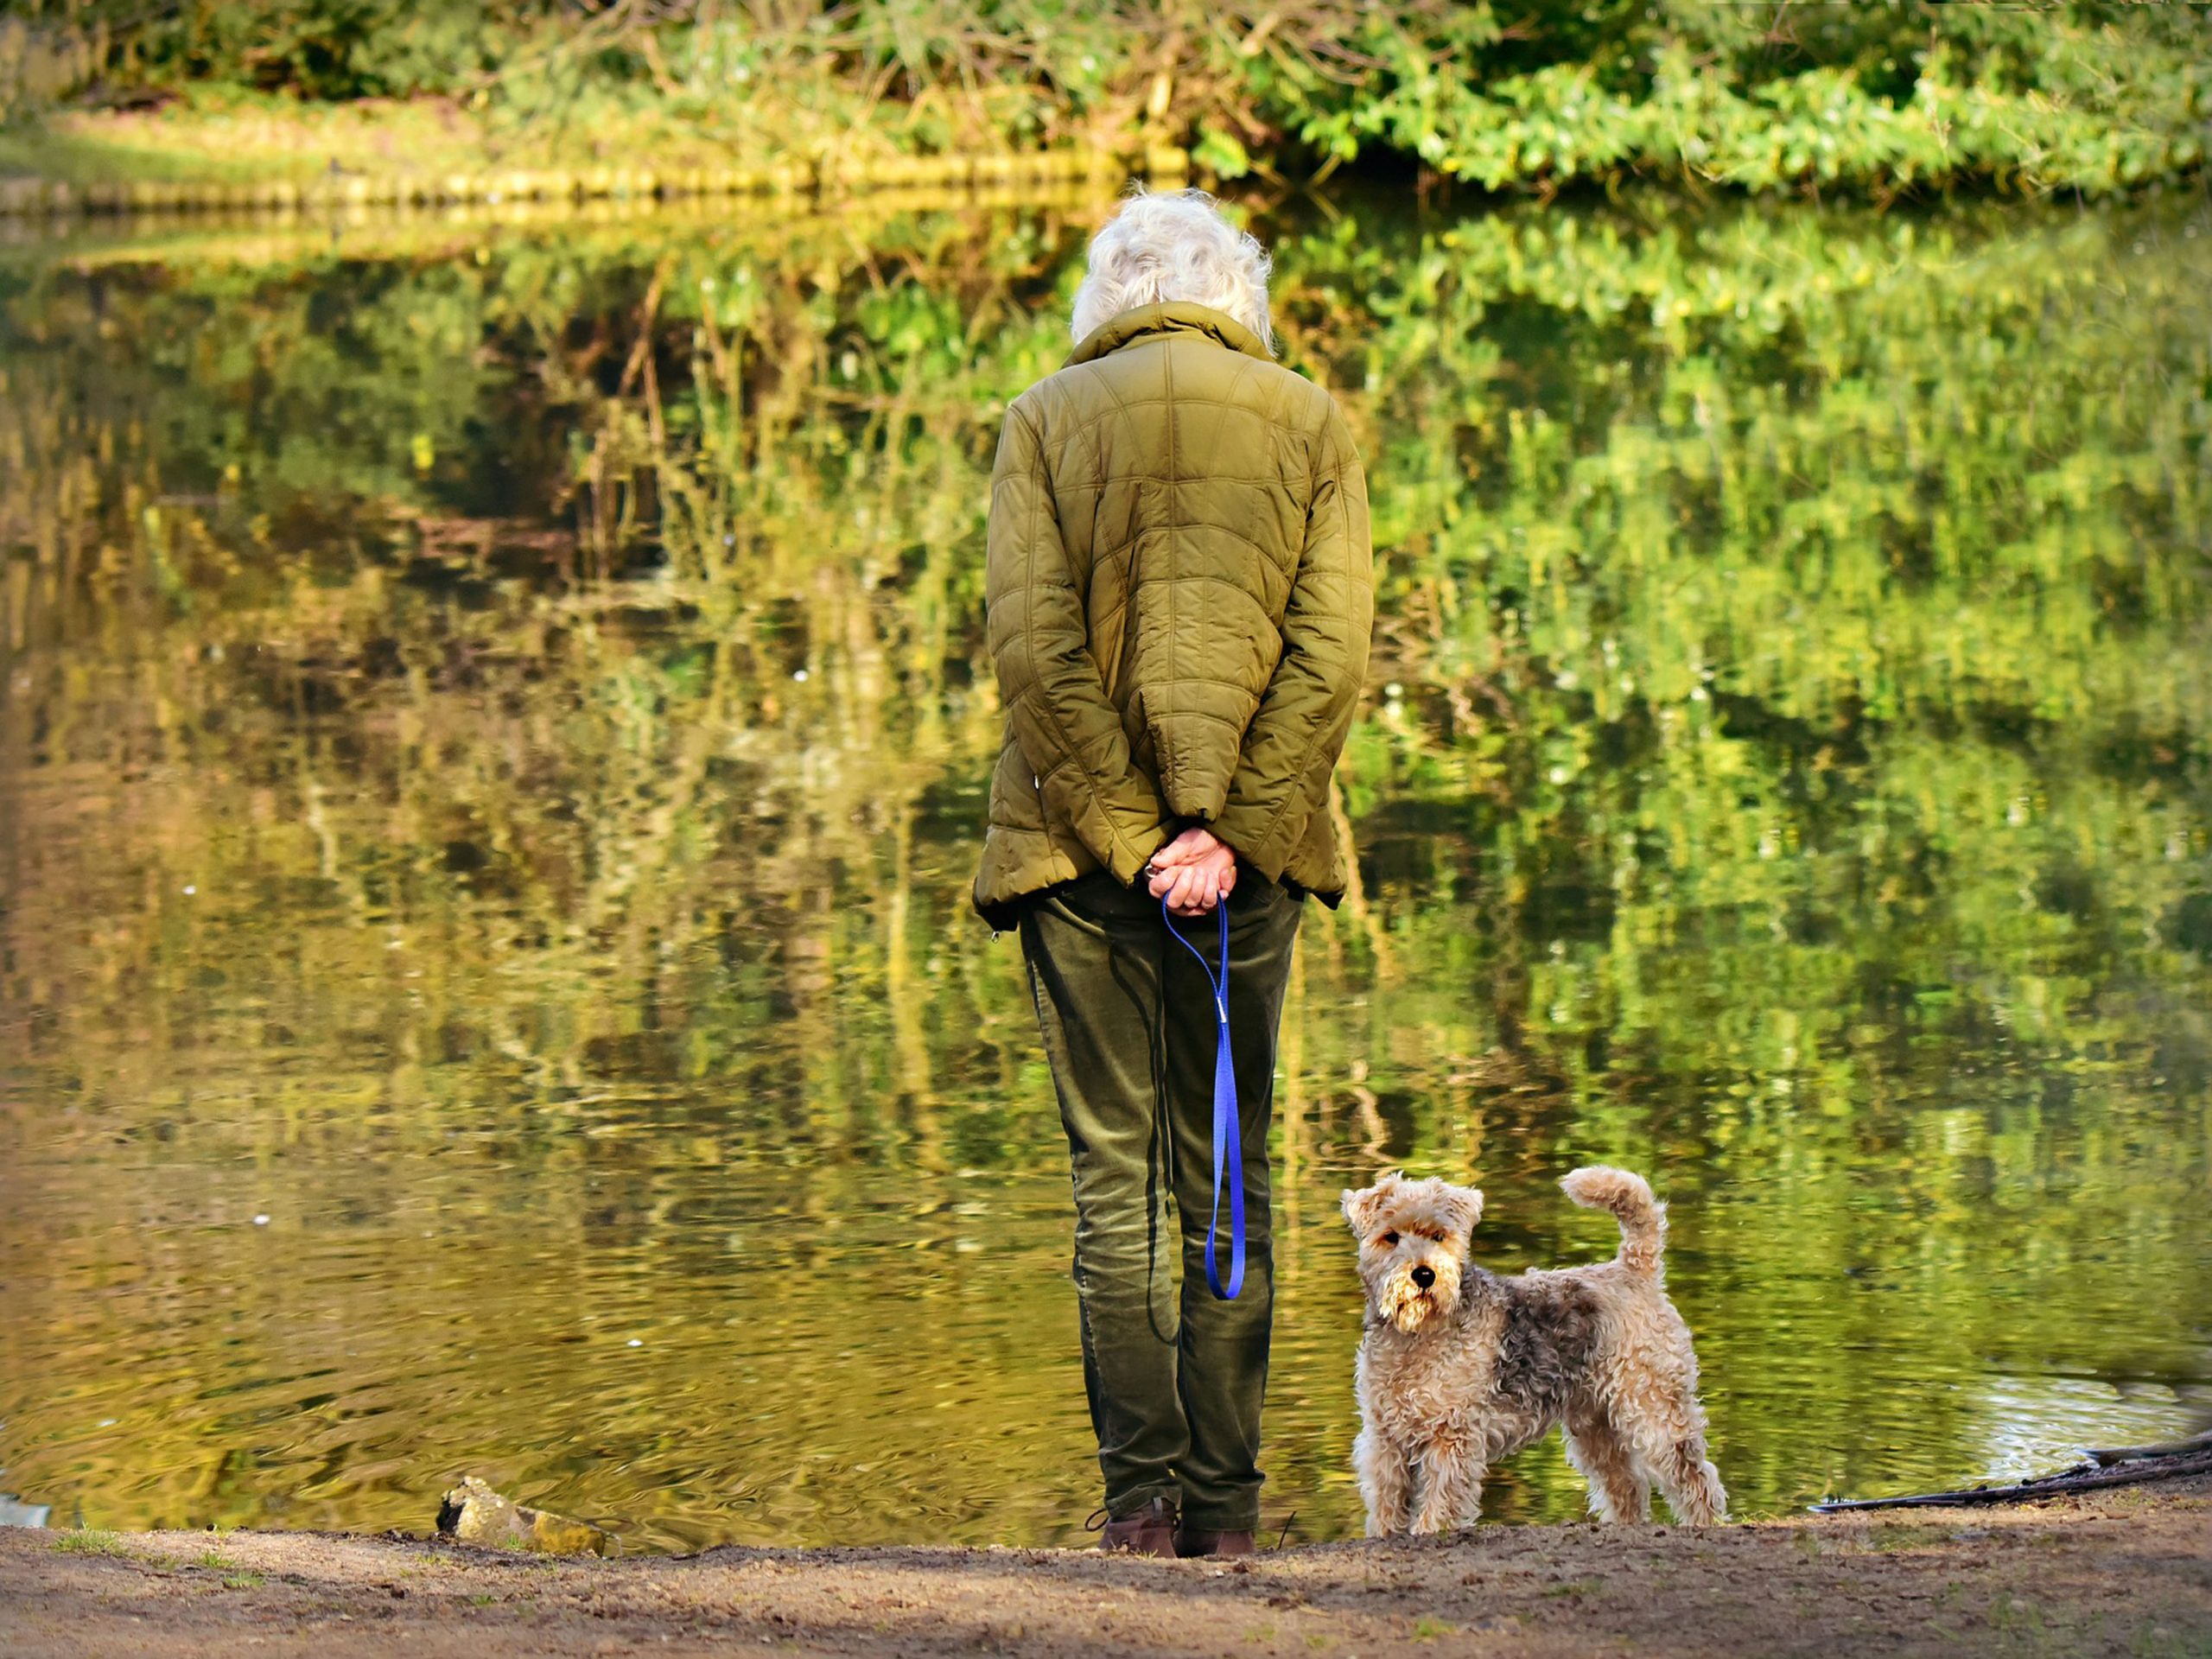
1220,152
1770,97
320,48
2062,94
42,62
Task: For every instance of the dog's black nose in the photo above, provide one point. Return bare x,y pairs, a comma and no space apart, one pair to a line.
1424,1277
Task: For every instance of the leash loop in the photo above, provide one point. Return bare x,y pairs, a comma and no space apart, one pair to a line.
1227,1136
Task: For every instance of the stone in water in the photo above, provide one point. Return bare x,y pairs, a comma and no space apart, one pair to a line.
473,1514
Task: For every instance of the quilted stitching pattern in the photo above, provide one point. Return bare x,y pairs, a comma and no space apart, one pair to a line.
1179,603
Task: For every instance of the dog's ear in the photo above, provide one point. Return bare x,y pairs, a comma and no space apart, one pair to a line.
1464,1205
1365,1207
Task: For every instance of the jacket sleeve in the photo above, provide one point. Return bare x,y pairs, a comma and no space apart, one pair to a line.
1049,682
1298,729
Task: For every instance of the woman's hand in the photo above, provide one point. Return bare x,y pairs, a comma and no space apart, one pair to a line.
1194,872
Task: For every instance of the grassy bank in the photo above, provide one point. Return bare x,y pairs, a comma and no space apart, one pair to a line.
2120,1576
1873,101
213,151
476,177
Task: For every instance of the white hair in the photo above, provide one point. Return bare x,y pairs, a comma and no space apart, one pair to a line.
1174,246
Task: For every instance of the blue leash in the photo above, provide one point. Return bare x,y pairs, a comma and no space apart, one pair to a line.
1228,1138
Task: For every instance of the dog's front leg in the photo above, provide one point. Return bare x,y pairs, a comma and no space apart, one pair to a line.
1451,1486
1386,1482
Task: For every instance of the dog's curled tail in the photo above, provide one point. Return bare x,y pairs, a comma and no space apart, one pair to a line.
1642,1218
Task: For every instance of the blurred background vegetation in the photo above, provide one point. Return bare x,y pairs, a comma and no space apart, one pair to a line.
2090,96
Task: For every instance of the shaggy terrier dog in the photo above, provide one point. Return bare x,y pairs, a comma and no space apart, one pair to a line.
1460,1368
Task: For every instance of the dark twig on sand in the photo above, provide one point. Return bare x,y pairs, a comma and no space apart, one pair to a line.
2126,1465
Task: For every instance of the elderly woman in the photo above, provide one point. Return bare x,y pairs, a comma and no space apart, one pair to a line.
1179,606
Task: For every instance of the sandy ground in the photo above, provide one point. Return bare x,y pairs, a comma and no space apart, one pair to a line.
2124,1572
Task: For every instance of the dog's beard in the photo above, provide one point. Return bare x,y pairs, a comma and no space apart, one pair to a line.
1408,1305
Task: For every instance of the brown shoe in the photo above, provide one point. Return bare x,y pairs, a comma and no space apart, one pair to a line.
1196,1541
1148,1531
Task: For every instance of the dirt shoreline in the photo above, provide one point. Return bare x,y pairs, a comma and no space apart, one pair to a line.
2123,1573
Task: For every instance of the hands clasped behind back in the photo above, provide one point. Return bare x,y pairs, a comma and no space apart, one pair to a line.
1194,872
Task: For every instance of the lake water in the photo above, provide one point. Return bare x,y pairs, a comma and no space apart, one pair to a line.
493,728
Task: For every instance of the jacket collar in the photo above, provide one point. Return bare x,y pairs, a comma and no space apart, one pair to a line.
1173,317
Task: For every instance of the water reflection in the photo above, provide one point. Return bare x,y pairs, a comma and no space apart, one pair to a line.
491,737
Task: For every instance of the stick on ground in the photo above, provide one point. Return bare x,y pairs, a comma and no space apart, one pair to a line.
2113,1466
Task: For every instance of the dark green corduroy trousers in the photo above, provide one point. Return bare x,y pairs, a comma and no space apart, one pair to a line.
1175,1383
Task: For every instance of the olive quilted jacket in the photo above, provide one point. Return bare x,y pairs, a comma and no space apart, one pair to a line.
1180,603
